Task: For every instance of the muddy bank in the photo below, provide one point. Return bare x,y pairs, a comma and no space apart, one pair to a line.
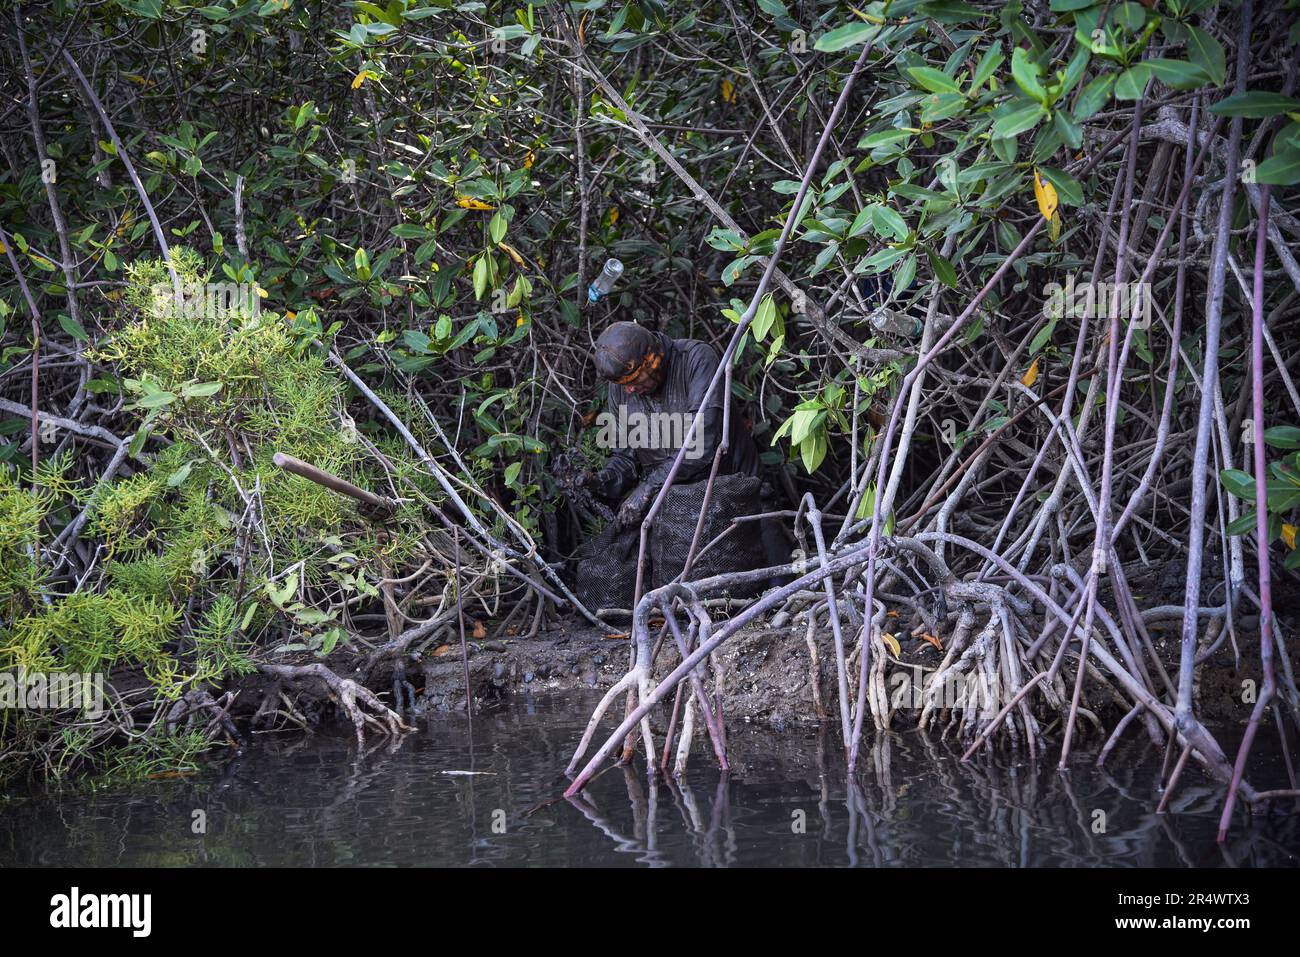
768,677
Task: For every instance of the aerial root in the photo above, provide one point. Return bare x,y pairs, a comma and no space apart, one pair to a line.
360,704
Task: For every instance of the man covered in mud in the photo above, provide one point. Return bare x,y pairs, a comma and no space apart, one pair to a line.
656,386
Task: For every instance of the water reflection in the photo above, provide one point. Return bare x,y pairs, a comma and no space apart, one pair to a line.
488,795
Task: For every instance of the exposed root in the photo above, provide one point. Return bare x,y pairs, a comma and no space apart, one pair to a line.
360,704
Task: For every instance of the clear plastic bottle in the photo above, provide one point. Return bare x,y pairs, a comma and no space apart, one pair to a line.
886,314
603,283
896,322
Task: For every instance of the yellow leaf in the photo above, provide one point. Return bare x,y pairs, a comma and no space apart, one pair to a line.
728,91
582,30
529,160
1288,535
513,253
1045,193
520,321
613,215
466,202
1054,226
360,78
892,642
1031,374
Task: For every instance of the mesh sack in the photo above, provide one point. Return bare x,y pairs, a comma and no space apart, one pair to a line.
733,496
605,576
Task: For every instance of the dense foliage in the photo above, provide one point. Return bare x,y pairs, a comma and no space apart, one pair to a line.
424,189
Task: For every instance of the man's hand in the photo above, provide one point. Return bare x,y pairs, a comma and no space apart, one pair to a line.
635,507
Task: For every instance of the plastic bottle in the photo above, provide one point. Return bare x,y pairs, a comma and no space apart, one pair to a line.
896,322
877,291
603,283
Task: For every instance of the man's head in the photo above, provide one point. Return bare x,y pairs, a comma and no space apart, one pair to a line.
630,356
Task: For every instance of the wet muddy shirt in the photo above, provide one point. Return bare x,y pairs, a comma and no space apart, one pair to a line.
667,415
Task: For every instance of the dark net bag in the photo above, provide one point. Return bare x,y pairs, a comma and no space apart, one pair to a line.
734,496
605,576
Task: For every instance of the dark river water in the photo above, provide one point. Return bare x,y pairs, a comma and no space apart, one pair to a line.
294,800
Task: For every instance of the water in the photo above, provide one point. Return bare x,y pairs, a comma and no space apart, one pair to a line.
295,800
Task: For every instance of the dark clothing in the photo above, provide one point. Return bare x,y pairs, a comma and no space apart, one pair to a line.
689,366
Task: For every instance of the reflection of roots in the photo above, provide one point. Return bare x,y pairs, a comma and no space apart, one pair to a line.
360,704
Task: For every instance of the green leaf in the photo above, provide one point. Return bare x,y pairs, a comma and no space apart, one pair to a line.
906,273
1042,336
1238,483
942,269
991,60
824,257
1018,120
1094,96
888,221
200,390
1068,190
941,106
764,317
879,260
933,80
1178,74
1283,437
73,328
1255,104
416,341
1280,169
813,450
860,222
156,400
1026,74
180,475
1132,82
512,472
849,35
1243,524
803,422
1207,53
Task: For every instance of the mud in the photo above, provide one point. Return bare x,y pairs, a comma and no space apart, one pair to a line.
767,674
766,671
